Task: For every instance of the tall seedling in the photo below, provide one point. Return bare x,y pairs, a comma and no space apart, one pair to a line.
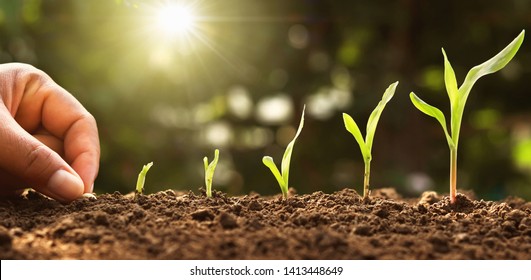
283,179
366,145
458,97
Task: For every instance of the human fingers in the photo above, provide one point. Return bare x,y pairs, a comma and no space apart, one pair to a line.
27,158
14,186
45,104
50,141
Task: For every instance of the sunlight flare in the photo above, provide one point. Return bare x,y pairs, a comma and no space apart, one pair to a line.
176,19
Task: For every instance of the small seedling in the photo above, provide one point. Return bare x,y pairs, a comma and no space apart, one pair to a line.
458,97
142,179
366,145
286,159
209,172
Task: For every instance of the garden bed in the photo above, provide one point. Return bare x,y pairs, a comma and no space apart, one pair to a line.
342,225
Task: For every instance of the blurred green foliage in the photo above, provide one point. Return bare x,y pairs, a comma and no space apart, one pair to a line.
240,81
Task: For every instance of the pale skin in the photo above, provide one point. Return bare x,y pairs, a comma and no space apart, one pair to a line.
48,140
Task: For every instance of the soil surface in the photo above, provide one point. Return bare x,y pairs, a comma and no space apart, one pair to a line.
342,225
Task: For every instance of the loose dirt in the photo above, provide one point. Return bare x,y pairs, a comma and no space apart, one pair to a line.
342,225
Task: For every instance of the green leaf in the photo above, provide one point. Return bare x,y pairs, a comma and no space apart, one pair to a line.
286,159
450,81
490,66
283,180
205,163
268,161
376,113
209,172
353,128
433,112
142,178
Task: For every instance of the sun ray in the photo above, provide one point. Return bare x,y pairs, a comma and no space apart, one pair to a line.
176,19
189,34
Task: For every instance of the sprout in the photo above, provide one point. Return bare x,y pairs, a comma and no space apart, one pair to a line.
366,145
209,172
286,159
142,179
458,97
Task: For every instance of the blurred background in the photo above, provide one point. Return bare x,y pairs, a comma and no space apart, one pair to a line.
170,81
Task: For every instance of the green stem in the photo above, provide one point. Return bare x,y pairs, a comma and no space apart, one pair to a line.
453,175
284,193
209,191
366,177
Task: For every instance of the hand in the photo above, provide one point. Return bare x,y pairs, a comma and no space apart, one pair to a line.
48,141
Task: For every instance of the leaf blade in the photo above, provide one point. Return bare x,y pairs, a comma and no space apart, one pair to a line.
209,171
492,65
450,81
376,113
142,178
353,128
432,112
496,63
268,161
286,159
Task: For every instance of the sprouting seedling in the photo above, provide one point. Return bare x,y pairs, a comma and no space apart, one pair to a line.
458,97
366,145
283,179
209,172
142,179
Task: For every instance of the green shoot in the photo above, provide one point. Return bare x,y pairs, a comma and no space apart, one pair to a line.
366,145
209,172
458,97
142,179
268,161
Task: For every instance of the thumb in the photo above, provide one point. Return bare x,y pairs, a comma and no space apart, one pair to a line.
36,164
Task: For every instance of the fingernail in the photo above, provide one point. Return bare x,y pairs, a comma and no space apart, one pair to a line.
65,185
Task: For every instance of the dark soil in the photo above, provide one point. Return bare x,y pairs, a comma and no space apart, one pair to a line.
170,225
